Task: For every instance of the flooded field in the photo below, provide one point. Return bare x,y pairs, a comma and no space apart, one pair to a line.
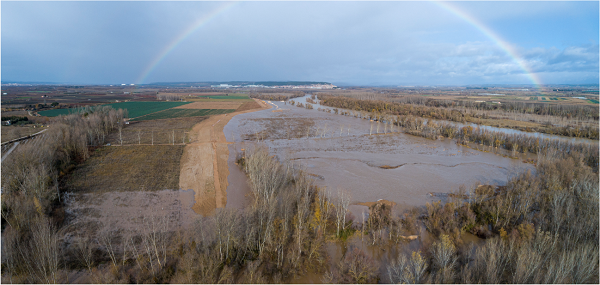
489,128
339,152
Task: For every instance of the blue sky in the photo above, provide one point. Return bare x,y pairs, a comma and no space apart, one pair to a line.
354,43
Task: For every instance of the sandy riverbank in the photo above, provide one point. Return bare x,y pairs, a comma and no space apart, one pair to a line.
204,167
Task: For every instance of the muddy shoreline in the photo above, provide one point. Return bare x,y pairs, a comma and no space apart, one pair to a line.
205,164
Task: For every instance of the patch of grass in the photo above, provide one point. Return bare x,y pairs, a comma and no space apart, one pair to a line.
179,113
128,168
593,101
134,109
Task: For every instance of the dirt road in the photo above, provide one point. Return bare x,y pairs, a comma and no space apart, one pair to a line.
204,162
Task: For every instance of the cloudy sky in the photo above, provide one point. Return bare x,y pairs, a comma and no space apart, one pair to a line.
346,43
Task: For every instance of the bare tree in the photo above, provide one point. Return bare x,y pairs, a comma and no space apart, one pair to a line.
43,254
408,271
342,202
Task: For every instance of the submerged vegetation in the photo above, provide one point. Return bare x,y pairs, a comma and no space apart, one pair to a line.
582,120
539,228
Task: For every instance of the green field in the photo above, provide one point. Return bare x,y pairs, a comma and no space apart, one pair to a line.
134,109
593,101
182,113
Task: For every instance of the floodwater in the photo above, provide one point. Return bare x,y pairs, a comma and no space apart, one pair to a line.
489,128
381,254
340,154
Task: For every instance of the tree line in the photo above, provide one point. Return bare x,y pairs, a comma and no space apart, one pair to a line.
440,112
31,199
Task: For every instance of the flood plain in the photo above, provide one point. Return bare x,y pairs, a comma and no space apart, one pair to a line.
371,162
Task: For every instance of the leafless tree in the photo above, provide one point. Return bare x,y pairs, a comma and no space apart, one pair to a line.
342,201
408,270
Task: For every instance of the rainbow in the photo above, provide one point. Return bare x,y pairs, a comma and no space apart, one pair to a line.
181,37
494,37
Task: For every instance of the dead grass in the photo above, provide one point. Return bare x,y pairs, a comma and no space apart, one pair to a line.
128,168
156,131
22,113
506,123
165,124
15,132
248,106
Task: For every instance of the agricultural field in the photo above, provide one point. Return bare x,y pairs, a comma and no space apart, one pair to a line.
211,105
220,98
155,110
148,132
183,113
128,168
134,109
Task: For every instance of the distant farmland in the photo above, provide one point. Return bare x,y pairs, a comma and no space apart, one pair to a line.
134,109
181,113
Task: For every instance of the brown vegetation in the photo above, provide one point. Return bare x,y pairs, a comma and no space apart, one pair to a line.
128,168
536,233
471,114
15,132
248,106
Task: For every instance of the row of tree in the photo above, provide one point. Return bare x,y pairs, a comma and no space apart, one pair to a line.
31,201
461,115
516,143
582,112
520,143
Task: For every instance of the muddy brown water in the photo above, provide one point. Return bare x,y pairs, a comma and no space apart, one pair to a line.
489,128
339,153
